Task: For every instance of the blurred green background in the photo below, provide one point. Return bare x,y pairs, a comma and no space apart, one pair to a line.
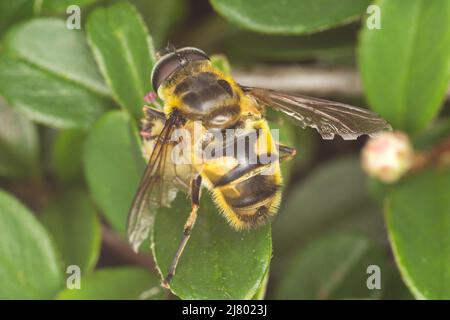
70,162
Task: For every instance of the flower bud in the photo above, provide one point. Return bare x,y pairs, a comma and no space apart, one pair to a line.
387,156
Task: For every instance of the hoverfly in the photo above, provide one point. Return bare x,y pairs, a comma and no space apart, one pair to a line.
194,91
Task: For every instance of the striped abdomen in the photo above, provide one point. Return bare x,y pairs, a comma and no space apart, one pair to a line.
247,184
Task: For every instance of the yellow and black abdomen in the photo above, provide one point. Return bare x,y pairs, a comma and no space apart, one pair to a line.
251,202
246,186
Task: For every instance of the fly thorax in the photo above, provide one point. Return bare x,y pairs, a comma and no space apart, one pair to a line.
208,98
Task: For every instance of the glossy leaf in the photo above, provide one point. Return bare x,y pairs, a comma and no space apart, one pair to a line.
49,45
291,16
306,143
73,223
394,287
66,155
417,215
124,283
404,64
221,62
261,292
29,264
18,144
124,51
330,46
161,17
113,166
305,214
14,11
332,267
62,5
218,262
283,130
47,99
48,73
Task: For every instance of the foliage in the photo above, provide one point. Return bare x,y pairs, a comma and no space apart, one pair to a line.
290,17
113,175
70,104
29,260
220,263
332,267
125,283
418,77
413,218
74,226
19,144
124,53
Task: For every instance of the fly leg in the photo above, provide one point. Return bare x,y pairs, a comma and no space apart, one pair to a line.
150,115
195,201
151,112
285,152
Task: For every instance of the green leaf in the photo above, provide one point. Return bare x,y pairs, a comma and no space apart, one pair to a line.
304,213
17,10
394,287
66,155
29,266
47,99
73,223
218,262
330,46
18,144
48,44
161,17
290,16
221,62
332,267
14,11
48,73
124,51
404,65
286,136
113,166
125,283
261,292
417,214
62,5
306,144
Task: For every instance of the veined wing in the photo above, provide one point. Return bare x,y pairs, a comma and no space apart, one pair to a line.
154,190
327,117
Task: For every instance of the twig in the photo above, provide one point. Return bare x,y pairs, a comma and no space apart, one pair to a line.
311,80
113,243
438,155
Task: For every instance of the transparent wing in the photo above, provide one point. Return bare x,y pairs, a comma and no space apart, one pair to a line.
327,117
154,190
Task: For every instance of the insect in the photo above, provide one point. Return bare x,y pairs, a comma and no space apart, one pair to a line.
247,193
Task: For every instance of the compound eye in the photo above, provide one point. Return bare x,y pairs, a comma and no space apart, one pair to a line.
192,54
163,69
173,61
